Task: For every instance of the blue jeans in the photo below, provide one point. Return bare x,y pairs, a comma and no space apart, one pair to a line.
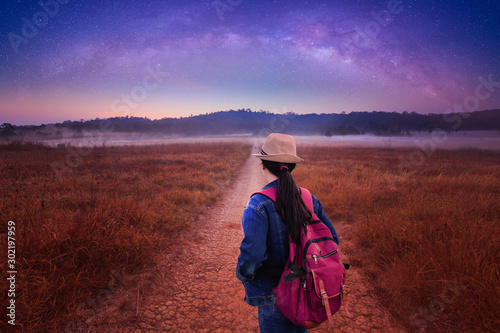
272,321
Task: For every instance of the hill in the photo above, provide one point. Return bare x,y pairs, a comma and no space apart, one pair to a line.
246,121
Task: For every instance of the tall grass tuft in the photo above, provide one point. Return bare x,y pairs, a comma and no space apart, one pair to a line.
118,209
429,237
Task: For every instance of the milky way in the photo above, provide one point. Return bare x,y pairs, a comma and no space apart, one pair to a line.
72,59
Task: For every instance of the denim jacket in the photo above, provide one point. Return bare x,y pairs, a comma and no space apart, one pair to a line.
264,249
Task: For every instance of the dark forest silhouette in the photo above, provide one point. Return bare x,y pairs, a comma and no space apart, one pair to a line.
246,121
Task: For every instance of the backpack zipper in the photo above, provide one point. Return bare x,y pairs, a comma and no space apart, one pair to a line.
316,256
317,248
313,241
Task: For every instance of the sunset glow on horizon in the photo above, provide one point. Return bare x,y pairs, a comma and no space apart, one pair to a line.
70,60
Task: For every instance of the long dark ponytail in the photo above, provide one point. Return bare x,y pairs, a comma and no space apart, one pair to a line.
289,203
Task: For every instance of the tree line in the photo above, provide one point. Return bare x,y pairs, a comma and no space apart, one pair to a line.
246,121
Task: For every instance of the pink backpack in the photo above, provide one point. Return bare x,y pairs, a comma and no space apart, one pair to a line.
311,287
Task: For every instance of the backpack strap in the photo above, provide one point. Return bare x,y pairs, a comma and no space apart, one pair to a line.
304,193
326,302
308,200
268,192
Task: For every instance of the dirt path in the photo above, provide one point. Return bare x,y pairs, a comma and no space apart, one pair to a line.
204,294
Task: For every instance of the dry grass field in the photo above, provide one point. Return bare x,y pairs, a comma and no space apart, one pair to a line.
109,211
428,235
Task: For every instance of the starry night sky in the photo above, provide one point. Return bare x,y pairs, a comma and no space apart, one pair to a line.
89,59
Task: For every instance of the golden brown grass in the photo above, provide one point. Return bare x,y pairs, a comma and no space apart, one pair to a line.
117,210
428,237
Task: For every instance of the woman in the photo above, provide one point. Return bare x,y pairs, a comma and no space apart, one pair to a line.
267,226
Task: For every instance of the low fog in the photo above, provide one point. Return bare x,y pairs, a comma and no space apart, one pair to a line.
435,140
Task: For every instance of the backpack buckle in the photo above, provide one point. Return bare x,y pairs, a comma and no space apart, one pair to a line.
323,292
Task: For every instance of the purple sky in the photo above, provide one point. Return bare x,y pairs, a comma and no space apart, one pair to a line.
89,59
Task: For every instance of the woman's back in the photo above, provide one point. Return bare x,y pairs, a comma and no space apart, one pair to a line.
268,226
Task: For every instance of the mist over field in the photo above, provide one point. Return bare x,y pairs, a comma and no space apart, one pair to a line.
480,129
476,139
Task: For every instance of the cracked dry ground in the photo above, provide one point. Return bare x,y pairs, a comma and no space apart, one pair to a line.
201,293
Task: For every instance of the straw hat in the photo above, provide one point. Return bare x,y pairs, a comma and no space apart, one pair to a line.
279,148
